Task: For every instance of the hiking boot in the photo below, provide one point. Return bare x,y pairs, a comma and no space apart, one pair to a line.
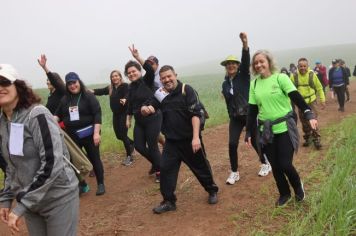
164,207
317,145
127,161
306,144
300,193
233,177
83,189
92,173
213,198
265,169
283,200
158,177
151,171
341,109
100,190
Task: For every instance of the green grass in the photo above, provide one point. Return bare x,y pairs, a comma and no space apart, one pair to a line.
331,206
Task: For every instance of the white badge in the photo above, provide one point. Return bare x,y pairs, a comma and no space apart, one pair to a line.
74,113
160,94
16,139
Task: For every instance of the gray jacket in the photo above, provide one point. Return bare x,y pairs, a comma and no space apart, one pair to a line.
40,179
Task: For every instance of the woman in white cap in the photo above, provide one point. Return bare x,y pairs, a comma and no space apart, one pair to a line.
235,89
39,179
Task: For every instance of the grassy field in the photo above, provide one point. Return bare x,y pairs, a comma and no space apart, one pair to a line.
332,204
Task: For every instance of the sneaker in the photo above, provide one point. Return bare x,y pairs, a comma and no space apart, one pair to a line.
213,198
151,171
127,161
233,177
158,177
283,200
164,207
300,193
341,109
83,189
265,169
100,190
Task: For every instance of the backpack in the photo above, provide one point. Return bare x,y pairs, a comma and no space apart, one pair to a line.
203,112
310,83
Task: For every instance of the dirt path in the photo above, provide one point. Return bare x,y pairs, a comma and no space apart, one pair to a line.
126,209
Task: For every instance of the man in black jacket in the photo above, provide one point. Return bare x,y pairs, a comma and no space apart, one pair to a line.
180,107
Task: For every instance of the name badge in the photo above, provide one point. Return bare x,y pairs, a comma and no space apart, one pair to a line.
16,139
74,113
160,94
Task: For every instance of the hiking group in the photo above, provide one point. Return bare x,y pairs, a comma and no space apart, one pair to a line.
36,155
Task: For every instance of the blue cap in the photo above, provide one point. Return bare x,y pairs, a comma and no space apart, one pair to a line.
71,76
317,62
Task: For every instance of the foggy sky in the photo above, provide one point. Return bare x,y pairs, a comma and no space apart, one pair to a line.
92,37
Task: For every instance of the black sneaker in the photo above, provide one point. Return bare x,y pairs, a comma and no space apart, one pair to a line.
164,207
100,190
283,200
213,198
300,193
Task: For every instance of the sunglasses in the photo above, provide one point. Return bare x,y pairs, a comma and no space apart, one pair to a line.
4,82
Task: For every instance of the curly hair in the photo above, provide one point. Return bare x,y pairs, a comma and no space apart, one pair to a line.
27,97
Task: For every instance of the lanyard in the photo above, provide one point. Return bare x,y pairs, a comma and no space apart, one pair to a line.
80,95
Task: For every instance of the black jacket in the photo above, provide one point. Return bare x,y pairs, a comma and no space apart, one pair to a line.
89,111
241,82
55,97
178,109
141,90
121,92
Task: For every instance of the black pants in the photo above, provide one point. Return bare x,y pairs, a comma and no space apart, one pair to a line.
146,133
120,129
235,128
340,93
174,152
280,155
93,155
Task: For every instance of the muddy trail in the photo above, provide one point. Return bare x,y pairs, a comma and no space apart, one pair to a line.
126,208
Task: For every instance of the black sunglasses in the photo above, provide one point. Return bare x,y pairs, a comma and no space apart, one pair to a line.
4,82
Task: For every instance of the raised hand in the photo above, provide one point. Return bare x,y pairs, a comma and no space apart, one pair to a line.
134,51
243,37
43,62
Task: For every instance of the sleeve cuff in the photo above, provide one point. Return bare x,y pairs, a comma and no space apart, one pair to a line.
19,210
5,204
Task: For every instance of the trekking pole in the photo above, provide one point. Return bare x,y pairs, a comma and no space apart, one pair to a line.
71,164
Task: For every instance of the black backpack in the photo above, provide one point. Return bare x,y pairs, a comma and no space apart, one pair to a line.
203,112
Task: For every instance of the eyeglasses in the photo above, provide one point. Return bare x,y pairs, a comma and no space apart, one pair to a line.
4,82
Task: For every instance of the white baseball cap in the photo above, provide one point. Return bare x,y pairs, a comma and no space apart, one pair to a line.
9,72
